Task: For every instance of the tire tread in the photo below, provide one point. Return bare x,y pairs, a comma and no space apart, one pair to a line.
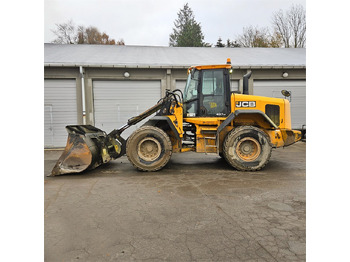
233,133
135,133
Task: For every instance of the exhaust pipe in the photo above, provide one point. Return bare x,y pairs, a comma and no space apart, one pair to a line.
246,83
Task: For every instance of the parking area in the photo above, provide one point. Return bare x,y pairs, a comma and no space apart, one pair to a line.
197,208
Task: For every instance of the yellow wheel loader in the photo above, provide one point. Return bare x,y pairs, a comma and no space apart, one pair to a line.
206,118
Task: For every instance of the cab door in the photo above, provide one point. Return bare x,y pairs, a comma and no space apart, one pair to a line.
213,96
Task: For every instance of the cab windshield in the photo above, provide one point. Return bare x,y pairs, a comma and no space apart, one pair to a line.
191,93
191,85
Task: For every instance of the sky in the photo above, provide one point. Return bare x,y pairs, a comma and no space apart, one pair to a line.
141,22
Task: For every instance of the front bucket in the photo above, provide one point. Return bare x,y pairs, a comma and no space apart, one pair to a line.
87,148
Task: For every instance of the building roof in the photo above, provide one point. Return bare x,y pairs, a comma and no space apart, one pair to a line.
171,57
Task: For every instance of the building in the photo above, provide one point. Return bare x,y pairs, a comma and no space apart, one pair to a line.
104,85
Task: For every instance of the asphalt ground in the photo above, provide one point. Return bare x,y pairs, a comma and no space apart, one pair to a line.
197,208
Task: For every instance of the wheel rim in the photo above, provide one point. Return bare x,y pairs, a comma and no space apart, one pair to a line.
248,149
149,149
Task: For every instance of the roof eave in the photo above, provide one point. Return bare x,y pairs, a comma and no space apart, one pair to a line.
170,66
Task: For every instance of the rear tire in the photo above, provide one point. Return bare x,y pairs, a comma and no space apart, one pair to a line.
247,148
149,148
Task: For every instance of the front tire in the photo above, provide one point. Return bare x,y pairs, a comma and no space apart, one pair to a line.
149,148
247,148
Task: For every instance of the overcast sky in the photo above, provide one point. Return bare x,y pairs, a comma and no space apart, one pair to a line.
149,22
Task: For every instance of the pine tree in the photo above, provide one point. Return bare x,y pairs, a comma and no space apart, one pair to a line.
187,31
219,43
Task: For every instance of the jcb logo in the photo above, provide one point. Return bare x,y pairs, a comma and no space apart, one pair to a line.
245,104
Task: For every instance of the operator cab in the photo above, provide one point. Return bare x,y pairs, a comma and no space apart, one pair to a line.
207,91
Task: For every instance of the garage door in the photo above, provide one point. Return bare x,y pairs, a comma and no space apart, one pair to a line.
180,84
60,109
117,101
272,88
234,85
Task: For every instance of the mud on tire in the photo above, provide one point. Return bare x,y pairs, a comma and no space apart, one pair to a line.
247,148
149,148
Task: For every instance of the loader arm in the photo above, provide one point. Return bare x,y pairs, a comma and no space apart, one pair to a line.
89,147
136,119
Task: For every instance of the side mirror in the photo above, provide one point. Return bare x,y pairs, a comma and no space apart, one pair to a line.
285,93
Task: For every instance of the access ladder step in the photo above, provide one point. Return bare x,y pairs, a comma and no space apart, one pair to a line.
208,131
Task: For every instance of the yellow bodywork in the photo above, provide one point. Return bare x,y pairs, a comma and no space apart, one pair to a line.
261,102
280,136
206,127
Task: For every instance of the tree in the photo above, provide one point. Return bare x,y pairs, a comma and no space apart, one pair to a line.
230,43
91,35
68,33
219,43
291,26
121,42
254,37
276,40
235,44
187,31
257,37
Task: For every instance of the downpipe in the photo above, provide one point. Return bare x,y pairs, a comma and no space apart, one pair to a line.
81,70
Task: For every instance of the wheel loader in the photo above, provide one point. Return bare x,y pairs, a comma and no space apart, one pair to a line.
206,118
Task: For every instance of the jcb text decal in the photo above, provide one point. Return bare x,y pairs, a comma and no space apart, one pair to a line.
245,104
